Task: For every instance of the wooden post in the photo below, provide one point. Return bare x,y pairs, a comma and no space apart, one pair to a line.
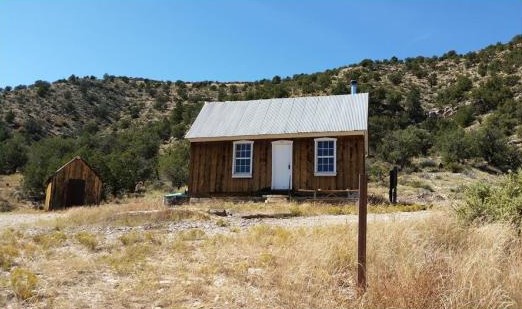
393,185
361,243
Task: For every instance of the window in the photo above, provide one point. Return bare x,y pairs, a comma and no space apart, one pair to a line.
242,164
325,156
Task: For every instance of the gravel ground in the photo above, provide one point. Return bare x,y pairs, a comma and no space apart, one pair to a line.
324,220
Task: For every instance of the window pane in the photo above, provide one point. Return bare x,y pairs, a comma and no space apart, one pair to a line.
330,167
330,152
242,165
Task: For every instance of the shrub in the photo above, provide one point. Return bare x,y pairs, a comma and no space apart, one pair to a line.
490,94
9,116
49,240
456,91
8,254
495,149
464,116
399,147
23,283
489,203
173,164
42,87
87,239
12,154
395,78
130,238
456,145
414,109
44,157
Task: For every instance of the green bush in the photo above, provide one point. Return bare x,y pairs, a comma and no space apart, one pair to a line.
395,78
174,163
456,91
399,147
464,116
493,146
12,154
491,203
42,87
492,93
455,146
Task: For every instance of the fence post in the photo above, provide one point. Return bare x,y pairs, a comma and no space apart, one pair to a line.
361,243
393,185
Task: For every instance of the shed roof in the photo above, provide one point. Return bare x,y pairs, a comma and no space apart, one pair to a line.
287,117
77,158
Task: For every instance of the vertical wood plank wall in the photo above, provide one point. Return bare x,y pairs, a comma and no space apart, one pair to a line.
57,187
211,167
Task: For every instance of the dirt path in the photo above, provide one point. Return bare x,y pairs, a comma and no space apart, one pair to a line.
324,220
8,220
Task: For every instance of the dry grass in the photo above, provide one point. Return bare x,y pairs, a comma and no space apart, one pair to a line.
303,209
10,194
134,212
429,263
87,239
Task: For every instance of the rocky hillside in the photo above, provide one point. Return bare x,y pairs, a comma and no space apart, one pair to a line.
445,83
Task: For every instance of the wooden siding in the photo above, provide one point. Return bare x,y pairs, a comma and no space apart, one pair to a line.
57,187
210,170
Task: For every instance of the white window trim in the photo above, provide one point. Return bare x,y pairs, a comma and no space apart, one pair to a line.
323,139
242,175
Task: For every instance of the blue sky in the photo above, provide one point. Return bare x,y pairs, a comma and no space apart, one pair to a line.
235,40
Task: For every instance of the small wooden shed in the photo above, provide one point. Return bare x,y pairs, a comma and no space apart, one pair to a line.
288,144
73,184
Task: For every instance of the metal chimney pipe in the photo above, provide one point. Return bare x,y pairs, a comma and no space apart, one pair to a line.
353,84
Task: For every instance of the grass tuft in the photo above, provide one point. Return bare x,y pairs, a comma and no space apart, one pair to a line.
50,240
192,234
88,240
23,283
131,238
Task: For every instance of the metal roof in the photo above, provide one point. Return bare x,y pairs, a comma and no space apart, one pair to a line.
257,119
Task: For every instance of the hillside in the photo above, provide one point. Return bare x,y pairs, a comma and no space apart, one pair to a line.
66,106
443,106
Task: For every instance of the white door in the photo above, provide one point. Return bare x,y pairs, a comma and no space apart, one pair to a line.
281,165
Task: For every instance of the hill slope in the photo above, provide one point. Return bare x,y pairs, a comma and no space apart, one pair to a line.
66,106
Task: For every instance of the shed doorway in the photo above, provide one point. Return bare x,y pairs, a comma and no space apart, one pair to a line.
281,165
75,192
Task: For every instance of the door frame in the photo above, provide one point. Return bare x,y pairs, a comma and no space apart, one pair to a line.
287,143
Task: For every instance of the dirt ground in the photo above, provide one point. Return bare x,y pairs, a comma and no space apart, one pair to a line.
13,220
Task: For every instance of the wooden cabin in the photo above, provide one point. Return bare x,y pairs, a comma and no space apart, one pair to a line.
287,144
73,184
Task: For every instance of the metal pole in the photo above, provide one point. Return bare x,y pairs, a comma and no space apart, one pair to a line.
361,243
